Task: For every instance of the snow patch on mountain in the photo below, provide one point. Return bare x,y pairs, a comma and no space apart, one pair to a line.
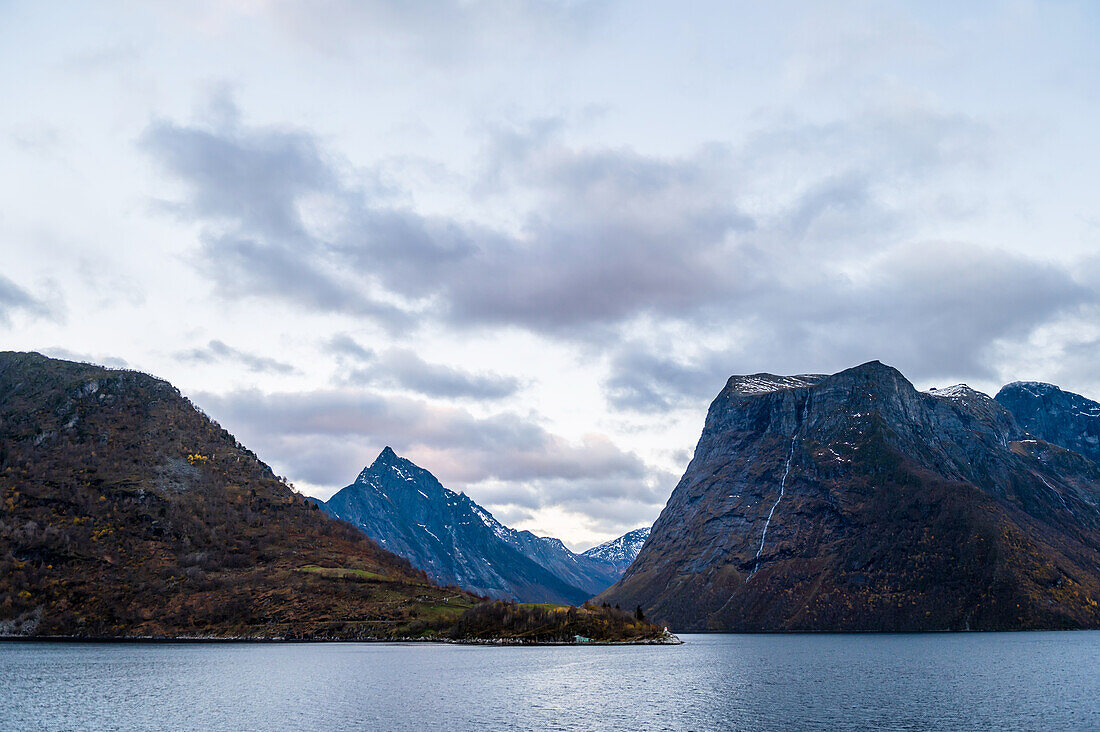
621,551
957,391
763,383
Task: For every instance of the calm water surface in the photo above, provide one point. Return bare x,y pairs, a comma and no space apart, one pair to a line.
1000,681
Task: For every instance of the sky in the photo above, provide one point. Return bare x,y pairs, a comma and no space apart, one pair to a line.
525,243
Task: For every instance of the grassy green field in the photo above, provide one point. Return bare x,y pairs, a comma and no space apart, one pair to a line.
341,573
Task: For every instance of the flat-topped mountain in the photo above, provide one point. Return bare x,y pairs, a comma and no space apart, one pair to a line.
855,502
405,509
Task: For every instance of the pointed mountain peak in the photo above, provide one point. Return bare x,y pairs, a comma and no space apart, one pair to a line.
388,459
875,368
390,472
386,462
872,375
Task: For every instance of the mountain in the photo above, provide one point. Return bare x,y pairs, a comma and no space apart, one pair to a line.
620,552
127,512
591,574
855,502
1059,417
405,509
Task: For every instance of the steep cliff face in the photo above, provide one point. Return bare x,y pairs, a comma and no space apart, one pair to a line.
855,502
406,510
1059,417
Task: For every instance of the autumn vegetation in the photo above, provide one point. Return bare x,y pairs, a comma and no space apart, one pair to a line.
545,623
127,512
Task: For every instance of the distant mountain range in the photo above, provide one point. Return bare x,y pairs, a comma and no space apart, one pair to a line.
406,510
855,502
125,512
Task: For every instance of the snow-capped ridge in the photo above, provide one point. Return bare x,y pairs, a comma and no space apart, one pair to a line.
956,391
620,551
764,383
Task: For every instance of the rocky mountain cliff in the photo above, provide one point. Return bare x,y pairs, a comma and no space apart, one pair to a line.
622,551
1059,417
405,509
856,502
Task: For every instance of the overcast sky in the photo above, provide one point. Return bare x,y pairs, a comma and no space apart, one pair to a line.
525,243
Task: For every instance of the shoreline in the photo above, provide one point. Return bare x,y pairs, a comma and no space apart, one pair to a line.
669,640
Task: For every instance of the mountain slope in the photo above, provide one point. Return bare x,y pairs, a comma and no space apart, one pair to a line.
127,512
622,551
591,574
855,502
456,541
1059,417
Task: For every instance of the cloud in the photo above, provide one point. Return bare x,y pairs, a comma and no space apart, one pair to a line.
937,310
1063,352
402,368
411,423
803,245
407,370
647,380
326,437
218,352
14,298
65,354
438,33
344,345
250,189
607,243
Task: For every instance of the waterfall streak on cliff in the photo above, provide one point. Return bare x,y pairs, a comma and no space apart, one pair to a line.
782,490
1055,492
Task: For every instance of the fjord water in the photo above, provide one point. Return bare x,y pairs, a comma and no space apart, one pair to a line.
931,681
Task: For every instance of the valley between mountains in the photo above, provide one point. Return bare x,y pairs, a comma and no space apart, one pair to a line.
844,502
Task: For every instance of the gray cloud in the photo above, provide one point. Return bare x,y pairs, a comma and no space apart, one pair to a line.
14,298
827,269
403,369
409,371
607,244
218,352
63,353
346,346
249,189
648,380
938,311
326,437
411,423
254,180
